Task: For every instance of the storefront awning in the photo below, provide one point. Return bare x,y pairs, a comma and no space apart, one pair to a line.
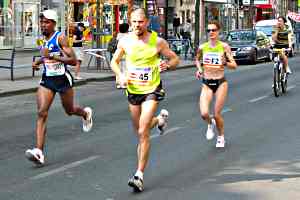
264,6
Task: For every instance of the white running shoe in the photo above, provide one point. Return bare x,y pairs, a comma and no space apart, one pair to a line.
136,183
210,133
87,123
35,155
162,120
288,70
220,142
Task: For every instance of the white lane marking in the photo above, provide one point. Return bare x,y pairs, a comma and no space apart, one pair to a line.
258,99
64,168
166,132
291,87
225,110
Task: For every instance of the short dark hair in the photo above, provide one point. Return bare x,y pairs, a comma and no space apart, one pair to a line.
123,28
216,23
283,18
80,24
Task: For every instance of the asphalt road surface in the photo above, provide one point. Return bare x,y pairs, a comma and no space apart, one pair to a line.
261,159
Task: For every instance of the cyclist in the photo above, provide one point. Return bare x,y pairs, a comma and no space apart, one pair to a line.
144,88
211,58
281,35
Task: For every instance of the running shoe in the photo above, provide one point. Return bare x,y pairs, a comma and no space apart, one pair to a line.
78,78
220,142
210,133
162,120
35,155
87,123
136,183
288,70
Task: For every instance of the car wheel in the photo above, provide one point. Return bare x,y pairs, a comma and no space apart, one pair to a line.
254,58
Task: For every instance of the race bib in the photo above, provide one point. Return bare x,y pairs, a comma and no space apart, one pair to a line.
212,59
54,68
139,75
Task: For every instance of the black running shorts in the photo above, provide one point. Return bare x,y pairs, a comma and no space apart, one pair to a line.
138,99
58,84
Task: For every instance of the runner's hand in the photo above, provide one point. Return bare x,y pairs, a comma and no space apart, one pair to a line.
35,66
122,80
198,74
45,52
163,66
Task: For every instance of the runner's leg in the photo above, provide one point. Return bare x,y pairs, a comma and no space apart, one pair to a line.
44,100
147,111
206,97
67,99
221,95
135,112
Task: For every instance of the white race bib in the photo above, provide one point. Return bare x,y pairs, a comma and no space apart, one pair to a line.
139,75
212,59
54,68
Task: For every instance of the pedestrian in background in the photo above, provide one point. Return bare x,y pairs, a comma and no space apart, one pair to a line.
78,48
123,28
297,32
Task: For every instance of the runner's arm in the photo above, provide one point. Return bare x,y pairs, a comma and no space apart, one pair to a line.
164,49
230,62
274,34
115,61
198,59
290,39
70,58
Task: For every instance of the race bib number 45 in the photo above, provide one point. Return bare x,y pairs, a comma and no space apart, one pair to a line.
139,75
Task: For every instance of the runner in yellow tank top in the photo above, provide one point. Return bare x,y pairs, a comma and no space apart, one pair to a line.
211,58
144,87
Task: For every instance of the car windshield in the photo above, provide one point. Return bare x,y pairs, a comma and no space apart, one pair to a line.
241,36
265,29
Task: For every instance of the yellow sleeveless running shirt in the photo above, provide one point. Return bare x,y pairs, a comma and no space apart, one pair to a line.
212,56
142,67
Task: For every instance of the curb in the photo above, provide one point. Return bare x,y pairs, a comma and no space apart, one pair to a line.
76,83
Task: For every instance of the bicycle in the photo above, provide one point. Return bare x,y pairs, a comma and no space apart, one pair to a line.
279,73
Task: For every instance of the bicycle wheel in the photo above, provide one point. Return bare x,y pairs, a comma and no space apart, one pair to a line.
276,80
283,81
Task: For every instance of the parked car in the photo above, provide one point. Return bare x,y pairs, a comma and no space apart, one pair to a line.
267,26
249,45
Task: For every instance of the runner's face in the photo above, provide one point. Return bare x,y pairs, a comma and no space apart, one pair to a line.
139,23
212,31
280,22
47,26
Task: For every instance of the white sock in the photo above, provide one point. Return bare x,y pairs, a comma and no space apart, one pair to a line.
139,174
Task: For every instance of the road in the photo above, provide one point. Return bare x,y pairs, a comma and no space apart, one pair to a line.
261,160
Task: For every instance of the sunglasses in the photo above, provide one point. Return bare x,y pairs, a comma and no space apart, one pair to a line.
211,30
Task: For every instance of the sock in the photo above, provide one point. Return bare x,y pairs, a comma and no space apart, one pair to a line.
139,174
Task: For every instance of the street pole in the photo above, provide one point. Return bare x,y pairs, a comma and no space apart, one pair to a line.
166,19
237,15
252,11
98,30
227,22
197,24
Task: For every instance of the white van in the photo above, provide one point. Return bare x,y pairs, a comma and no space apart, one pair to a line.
266,26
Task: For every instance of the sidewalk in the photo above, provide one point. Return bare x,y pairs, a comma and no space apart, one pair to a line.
25,83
